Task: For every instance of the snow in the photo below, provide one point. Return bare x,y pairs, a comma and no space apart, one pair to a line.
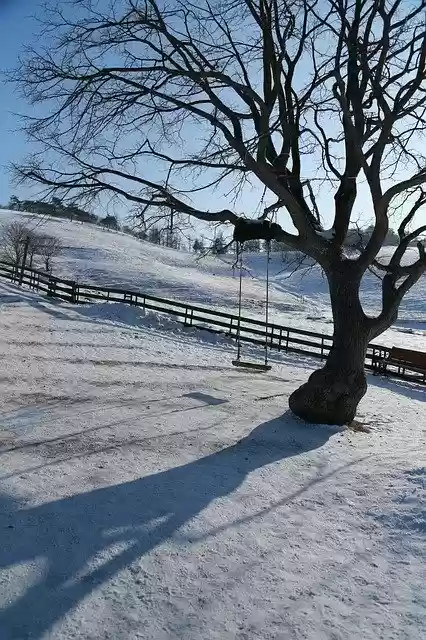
151,490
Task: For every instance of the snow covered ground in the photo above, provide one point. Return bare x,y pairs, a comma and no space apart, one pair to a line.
150,490
94,256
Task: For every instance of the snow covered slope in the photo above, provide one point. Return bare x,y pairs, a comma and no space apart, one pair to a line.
95,256
149,490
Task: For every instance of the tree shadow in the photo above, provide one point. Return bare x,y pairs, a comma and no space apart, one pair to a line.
12,293
8,298
71,534
413,390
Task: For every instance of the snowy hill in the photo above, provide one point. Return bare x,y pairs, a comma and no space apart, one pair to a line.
299,299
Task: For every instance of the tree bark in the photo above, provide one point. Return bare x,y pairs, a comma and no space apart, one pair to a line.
332,394
24,260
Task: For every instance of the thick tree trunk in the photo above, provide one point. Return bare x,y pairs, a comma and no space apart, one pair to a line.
332,394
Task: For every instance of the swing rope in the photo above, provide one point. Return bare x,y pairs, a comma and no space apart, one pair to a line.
240,264
268,253
237,362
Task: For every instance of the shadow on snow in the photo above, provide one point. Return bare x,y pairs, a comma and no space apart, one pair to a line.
70,533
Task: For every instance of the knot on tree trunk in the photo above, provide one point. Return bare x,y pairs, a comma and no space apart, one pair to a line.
330,396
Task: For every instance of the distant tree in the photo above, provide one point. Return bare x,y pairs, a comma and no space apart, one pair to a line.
252,245
392,238
49,247
110,222
277,246
172,240
154,235
141,234
218,246
171,236
55,208
74,212
141,224
37,207
359,237
57,203
33,248
12,242
14,203
198,246
18,242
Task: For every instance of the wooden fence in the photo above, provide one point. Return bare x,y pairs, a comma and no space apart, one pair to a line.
278,337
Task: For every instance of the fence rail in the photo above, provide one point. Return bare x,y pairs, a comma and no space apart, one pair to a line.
278,337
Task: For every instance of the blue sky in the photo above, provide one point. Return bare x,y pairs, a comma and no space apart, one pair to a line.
17,28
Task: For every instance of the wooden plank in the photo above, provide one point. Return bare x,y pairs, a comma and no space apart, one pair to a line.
28,271
57,285
7,269
407,356
405,365
254,366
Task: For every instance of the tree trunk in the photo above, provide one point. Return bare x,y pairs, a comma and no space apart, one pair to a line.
332,394
24,260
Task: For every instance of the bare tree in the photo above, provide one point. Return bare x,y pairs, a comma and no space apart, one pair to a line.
19,243
219,245
49,248
198,246
147,99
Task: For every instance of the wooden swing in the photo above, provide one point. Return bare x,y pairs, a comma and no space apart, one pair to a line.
246,230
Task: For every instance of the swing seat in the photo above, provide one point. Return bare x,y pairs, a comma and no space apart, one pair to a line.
251,365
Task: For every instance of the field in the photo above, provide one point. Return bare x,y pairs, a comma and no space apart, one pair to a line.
150,490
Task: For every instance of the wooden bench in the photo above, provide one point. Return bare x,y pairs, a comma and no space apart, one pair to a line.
403,359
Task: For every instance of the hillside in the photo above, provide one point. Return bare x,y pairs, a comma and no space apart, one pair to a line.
299,299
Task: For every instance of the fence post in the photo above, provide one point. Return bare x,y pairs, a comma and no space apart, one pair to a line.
74,293
51,287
